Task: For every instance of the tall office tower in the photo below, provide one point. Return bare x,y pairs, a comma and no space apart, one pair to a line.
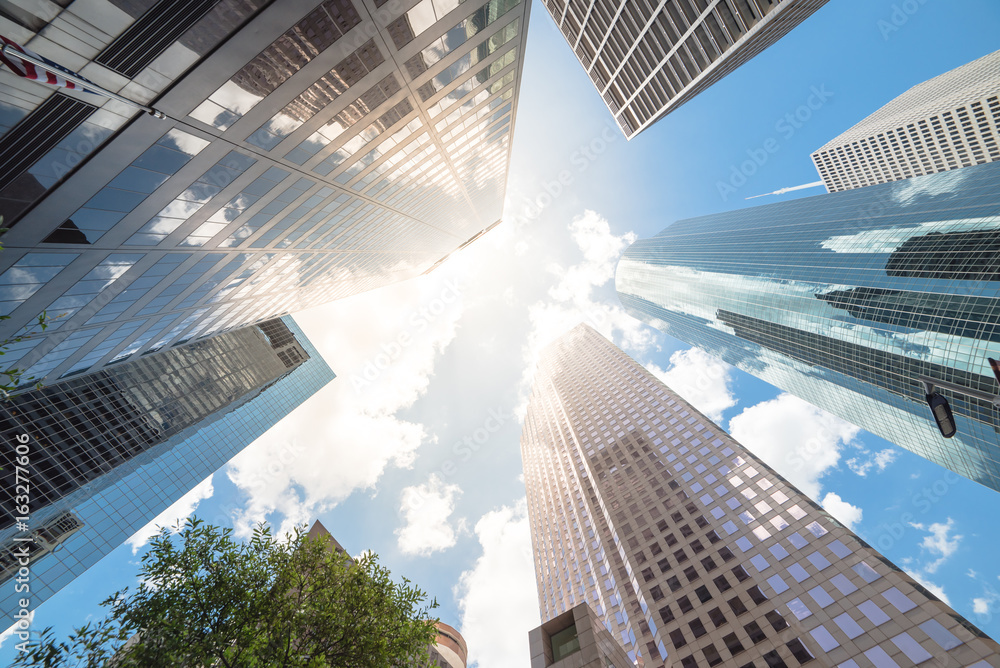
690,550
848,300
311,150
110,450
647,57
948,122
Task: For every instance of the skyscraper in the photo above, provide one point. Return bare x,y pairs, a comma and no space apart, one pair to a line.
110,450
847,300
693,552
647,58
947,122
311,150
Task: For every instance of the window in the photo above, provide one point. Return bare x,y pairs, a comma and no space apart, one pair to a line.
737,606
703,594
666,614
681,556
755,632
740,573
713,656
733,644
756,595
799,651
708,564
677,638
684,603
697,628
691,573
715,614
689,662
673,583
713,537
776,621
773,660
647,574
664,565
697,546
656,593
722,584
686,530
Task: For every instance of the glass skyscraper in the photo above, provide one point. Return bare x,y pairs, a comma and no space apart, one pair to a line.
848,300
689,551
646,57
110,450
311,150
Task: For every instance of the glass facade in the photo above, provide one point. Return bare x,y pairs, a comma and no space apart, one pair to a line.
691,551
646,58
321,150
110,450
847,300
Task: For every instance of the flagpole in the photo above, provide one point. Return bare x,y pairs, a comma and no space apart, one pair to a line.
79,81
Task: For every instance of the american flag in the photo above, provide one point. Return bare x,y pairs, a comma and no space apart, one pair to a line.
23,68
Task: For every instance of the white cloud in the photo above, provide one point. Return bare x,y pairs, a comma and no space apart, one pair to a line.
572,299
6,635
935,589
500,589
847,514
879,461
938,542
181,509
981,606
383,345
426,509
800,441
701,379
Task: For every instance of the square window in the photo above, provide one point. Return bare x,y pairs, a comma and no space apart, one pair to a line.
867,573
911,648
708,564
779,552
666,614
774,660
820,596
799,651
673,583
898,599
656,593
715,614
691,573
880,658
799,609
733,644
740,573
681,556
722,584
797,572
759,562
737,606
843,584
757,596
684,603
776,621
697,628
848,625
755,632
824,639
818,560
664,565
703,594
777,584
939,634
647,574
726,554
677,638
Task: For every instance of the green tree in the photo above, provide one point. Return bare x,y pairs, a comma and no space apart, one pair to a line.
205,600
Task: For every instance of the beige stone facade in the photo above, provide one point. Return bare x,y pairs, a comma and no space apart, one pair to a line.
693,552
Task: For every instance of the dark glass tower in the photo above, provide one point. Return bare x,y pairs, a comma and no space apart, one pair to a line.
847,300
110,450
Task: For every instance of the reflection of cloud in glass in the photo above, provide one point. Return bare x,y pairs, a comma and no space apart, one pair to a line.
889,239
183,142
180,209
234,98
942,183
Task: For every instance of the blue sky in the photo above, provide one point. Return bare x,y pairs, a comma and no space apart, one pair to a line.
413,451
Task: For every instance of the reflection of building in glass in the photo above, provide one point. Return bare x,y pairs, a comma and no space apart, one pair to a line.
653,530
27,548
847,300
113,449
89,425
313,152
648,58
947,122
